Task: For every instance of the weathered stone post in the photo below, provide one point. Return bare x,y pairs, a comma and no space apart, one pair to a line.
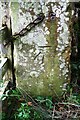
42,56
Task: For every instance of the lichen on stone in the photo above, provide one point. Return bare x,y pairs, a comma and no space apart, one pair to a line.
41,53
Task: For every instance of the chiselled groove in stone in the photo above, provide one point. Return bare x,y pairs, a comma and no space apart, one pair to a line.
37,55
44,46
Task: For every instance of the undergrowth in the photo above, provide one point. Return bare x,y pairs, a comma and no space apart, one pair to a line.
18,105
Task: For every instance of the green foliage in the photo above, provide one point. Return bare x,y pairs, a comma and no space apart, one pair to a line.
23,112
73,98
11,93
46,100
26,112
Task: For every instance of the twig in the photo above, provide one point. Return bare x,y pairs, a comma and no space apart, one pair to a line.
53,112
67,103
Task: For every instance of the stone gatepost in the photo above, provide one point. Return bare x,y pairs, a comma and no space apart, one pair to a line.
42,54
